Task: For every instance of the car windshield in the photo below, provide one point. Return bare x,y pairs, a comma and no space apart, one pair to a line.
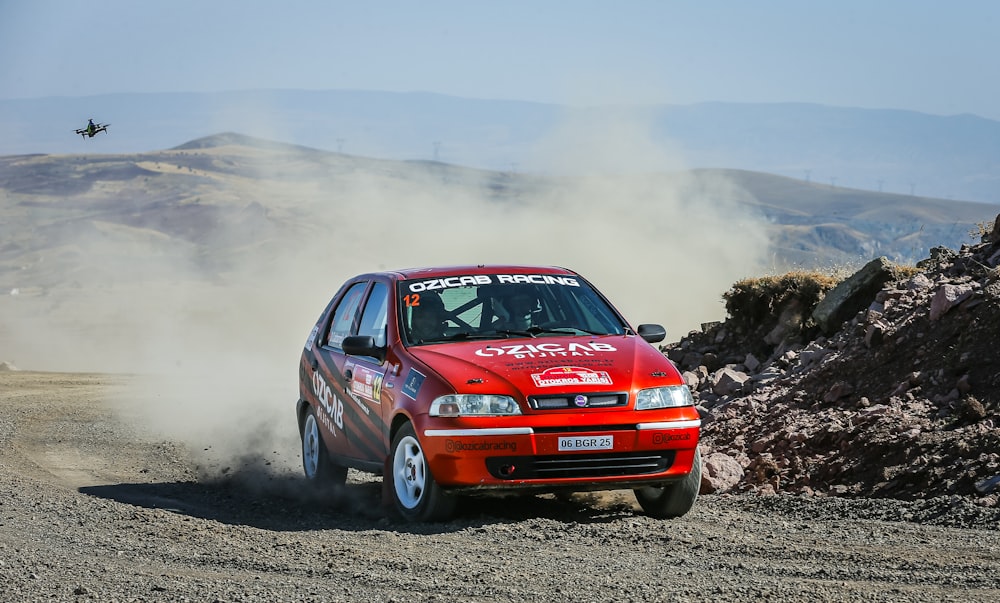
495,306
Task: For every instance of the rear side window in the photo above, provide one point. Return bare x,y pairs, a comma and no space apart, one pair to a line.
345,315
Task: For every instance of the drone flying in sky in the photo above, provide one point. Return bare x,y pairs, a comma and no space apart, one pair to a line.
92,129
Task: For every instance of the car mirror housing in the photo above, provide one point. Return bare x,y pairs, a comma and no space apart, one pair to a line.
363,345
652,333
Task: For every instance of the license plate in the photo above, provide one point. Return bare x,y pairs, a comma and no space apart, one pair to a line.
602,442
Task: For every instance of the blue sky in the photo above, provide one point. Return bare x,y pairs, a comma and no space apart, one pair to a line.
931,56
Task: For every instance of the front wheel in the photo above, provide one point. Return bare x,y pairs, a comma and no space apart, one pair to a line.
416,495
672,500
320,471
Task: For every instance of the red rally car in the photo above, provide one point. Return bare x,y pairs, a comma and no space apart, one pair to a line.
461,380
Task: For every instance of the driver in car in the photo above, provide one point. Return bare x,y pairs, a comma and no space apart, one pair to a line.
520,307
427,318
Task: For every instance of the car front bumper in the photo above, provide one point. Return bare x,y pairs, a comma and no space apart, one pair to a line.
585,457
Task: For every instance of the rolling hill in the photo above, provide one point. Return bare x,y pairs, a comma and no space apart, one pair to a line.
216,196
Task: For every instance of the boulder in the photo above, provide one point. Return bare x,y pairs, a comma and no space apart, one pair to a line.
720,473
852,295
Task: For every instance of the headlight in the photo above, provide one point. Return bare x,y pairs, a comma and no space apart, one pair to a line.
477,405
671,396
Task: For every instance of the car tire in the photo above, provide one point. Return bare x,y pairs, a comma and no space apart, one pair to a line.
417,496
672,500
320,470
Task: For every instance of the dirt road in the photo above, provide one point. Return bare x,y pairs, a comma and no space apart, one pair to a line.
95,507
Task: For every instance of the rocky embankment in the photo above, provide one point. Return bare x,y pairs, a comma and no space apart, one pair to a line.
888,387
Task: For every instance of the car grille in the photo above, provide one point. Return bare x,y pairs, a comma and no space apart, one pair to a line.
568,466
569,401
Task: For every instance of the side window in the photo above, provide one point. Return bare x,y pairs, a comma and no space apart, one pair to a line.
344,315
375,316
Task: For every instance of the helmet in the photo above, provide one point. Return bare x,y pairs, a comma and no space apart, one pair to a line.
427,317
520,303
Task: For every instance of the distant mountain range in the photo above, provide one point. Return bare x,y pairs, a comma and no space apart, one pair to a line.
891,151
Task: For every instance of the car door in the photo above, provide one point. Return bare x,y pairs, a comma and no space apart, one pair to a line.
349,387
328,383
365,376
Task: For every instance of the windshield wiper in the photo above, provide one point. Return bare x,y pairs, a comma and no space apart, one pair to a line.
536,331
466,335
529,332
532,332
568,331
565,331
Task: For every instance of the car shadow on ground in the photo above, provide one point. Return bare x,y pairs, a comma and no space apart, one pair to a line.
281,504
292,504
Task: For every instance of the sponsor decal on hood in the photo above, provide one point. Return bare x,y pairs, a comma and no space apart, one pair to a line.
570,375
560,349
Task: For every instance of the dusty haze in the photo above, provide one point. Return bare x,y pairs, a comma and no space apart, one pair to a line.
220,353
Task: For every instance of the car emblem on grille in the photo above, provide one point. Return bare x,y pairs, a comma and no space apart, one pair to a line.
580,400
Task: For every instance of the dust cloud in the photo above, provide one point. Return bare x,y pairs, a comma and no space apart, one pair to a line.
216,350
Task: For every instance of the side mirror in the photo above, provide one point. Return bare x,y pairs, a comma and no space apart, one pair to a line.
362,345
652,333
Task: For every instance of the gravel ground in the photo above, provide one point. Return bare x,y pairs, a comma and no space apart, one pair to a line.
92,508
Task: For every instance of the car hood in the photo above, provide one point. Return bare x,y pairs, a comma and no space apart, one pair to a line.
547,364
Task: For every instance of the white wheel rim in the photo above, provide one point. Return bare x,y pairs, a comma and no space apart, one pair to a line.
409,472
310,447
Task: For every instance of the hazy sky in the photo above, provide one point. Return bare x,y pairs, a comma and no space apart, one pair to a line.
926,55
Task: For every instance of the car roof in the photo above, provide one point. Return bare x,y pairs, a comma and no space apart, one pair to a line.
440,271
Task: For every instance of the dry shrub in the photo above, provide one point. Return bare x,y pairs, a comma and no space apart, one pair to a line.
752,300
981,231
